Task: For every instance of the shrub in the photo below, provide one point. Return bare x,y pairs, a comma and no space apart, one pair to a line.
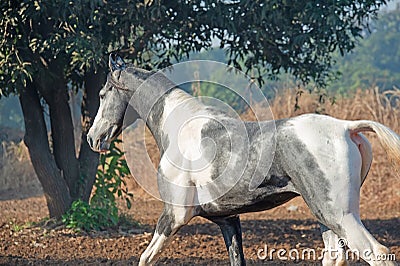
102,211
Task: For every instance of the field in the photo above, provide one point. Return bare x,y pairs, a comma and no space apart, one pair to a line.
27,239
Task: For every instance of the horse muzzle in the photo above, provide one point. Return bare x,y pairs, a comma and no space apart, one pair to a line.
100,141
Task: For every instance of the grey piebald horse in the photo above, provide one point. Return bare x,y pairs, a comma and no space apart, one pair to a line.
322,159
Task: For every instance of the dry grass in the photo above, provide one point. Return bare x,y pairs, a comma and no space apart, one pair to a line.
17,177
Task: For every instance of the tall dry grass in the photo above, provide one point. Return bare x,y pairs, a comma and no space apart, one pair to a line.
17,177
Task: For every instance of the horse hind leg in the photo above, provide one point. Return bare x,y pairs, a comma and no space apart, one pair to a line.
347,226
374,250
345,222
342,218
335,251
232,233
337,207
362,243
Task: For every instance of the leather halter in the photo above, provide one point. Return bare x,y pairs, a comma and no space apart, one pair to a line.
116,84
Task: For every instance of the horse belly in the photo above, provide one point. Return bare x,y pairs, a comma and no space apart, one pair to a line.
241,200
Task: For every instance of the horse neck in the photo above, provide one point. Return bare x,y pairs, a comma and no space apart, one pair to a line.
154,100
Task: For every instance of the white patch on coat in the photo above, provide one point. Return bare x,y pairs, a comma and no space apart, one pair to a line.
182,121
184,163
328,141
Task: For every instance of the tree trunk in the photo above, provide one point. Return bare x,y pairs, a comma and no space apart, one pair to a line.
54,186
53,87
62,132
87,158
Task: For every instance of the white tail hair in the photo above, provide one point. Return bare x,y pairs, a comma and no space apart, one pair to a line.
387,137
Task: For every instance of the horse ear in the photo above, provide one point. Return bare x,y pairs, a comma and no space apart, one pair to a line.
120,62
115,62
111,62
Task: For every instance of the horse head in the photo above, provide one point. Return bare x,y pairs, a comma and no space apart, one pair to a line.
114,100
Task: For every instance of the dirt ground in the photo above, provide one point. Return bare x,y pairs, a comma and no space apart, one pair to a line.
290,226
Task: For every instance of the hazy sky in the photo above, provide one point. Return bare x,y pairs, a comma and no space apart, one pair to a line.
392,4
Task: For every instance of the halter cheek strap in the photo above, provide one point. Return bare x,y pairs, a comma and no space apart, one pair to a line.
116,84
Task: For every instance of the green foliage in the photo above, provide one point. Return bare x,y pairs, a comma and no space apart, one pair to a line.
102,212
293,36
83,216
69,38
110,179
19,227
376,61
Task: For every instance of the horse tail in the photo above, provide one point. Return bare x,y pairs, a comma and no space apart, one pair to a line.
387,137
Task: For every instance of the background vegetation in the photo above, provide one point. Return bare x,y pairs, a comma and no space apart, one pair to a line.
52,48
374,62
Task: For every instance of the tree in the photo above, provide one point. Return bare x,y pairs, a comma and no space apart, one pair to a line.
51,46
376,60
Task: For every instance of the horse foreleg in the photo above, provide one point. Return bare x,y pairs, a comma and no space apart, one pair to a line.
232,232
172,218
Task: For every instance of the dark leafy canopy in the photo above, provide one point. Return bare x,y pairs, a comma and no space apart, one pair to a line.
293,36
296,36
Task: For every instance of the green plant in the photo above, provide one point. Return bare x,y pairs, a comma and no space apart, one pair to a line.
16,227
81,216
102,211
